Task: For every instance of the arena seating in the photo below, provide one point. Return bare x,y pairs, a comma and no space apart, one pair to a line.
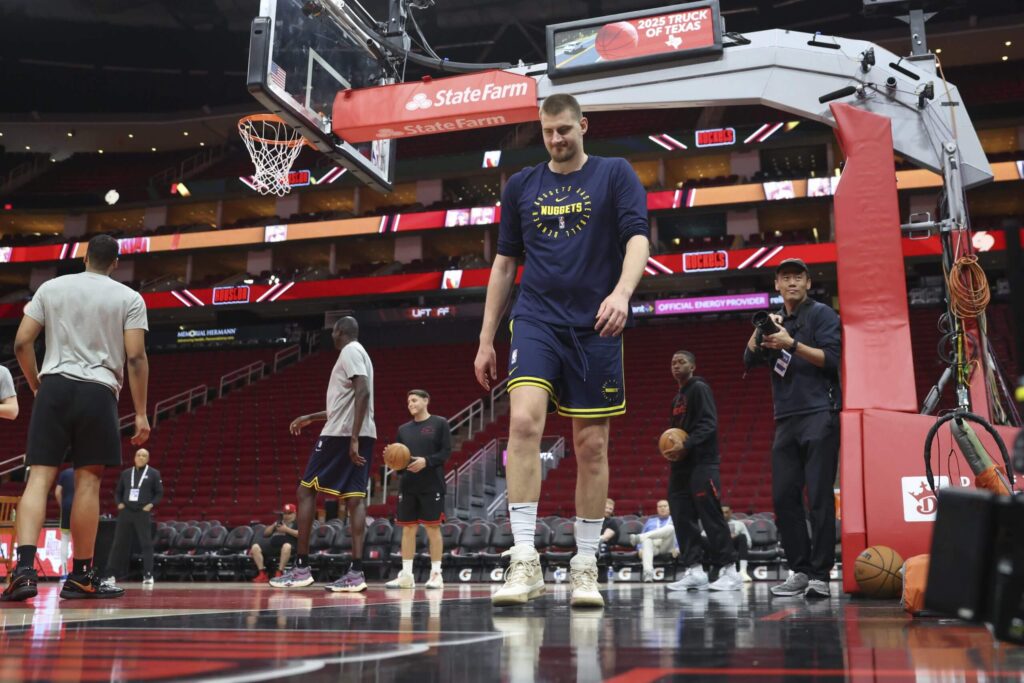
234,459
170,373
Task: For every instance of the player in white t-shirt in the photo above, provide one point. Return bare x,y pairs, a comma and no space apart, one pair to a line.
92,325
340,462
8,395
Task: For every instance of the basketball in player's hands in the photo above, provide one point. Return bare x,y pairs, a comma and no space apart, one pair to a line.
397,456
671,444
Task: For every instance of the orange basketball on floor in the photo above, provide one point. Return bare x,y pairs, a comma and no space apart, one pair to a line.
877,572
671,444
397,456
616,41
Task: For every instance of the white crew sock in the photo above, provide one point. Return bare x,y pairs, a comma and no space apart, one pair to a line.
435,567
407,567
588,535
523,517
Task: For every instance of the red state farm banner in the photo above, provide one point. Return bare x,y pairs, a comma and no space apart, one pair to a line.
444,105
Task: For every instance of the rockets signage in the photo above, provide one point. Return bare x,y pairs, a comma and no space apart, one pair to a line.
703,261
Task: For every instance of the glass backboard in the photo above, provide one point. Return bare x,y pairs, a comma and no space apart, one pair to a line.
301,55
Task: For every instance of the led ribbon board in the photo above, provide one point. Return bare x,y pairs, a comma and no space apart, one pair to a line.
661,35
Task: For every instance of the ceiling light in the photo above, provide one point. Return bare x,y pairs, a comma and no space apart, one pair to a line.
1005,58
101,151
1008,43
71,133
28,147
185,133
938,51
131,135
152,149
202,144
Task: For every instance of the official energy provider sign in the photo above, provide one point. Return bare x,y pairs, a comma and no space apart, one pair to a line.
429,106
634,39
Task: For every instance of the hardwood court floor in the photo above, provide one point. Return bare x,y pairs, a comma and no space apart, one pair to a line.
242,632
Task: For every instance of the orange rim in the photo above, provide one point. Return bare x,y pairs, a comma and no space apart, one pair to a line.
246,123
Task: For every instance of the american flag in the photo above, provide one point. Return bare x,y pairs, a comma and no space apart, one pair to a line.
277,76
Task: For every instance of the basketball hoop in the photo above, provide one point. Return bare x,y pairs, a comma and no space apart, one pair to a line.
273,146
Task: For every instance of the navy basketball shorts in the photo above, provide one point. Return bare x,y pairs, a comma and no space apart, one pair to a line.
331,471
580,369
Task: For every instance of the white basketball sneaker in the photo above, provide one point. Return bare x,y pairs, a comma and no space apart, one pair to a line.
403,580
695,579
524,579
436,580
583,580
728,580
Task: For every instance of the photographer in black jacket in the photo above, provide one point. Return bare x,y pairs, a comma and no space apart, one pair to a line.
138,490
803,357
693,489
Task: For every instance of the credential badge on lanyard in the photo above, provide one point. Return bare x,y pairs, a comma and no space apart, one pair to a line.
133,491
782,364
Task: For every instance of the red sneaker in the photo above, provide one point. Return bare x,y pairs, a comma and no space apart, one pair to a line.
261,578
278,573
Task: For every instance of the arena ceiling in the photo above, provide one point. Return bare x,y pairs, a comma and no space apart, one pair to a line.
83,63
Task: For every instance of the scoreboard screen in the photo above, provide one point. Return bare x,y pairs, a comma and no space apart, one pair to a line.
664,34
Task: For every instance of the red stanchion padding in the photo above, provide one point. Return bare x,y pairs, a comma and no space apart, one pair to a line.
877,364
851,493
899,506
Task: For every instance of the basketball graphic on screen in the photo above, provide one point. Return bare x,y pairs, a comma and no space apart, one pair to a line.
617,41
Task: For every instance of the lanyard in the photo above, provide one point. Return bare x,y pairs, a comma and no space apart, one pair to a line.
142,478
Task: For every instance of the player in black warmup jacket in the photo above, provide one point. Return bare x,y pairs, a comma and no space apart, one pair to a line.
693,490
421,492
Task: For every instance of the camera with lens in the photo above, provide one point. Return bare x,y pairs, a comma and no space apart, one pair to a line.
764,324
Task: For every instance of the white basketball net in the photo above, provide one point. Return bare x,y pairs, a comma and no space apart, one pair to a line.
273,146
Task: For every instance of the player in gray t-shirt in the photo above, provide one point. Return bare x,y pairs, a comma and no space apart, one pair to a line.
93,325
340,462
8,395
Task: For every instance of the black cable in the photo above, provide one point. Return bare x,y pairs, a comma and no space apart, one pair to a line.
442,65
971,417
423,39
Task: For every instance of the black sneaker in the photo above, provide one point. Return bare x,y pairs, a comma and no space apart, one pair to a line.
21,586
88,587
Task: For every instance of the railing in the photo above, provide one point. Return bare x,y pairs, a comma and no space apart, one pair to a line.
549,461
471,478
241,376
470,416
126,421
186,398
499,390
311,340
190,165
500,502
287,354
23,173
12,464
